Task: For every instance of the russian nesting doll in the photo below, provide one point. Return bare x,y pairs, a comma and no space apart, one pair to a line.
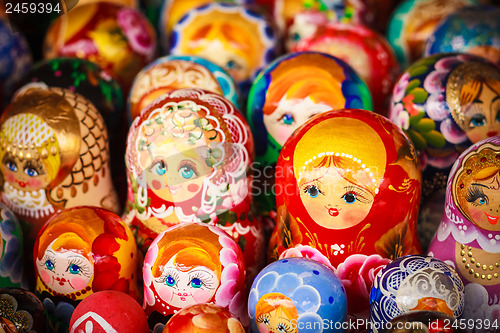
349,191
54,155
80,251
175,72
237,38
11,250
193,263
188,157
469,234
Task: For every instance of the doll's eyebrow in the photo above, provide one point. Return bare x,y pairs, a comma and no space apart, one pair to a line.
494,99
477,184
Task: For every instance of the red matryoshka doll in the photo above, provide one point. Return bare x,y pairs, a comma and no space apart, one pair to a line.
235,37
468,237
116,37
188,159
203,318
193,263
365,50
80,251
347,188
54,155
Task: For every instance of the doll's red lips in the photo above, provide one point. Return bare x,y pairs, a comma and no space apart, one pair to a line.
333,211
492,219
22,184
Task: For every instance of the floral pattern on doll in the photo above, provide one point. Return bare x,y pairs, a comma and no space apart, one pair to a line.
181,270
276,312
11,252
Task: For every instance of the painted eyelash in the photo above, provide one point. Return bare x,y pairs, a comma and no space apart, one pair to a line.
307,185
474,193
203,278
169,272
155,161
190,164
84,269
286,327
47,258
34,164
262,317
361,194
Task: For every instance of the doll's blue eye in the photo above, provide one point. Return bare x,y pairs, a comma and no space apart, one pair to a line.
482,201
295,37
349,198
478,120
49,265
160,168
31,172
232,64
287,119
12,166
74,269
170,281
196,283
313,191
186,172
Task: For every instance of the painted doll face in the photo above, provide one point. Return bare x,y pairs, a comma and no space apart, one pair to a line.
333,201
482,116
26,174
234,64
182,288
289,115
178,177
275,321
483,203
65,272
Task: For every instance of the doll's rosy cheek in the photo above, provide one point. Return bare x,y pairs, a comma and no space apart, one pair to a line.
78,283
202,295
262,328
45,276
10,177
165,293
476,214
193,188
34,182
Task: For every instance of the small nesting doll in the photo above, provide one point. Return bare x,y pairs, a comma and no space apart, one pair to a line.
444,103
349,185
412,283
21,311
116,37
413,21
203,318
365,50
80,251
54,155
189,264
468,237
109,311
239,39
11,250
188,158
175,72
473,30
292,89
297,295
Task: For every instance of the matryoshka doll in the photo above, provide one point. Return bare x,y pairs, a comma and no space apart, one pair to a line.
193,263
473,30
297,295
235,37
80,251
175,72
365,50
415,283
21,311
116,37
188,158
445,103
11,250
54,155
203,318
348,190
469,234
413,21
292,89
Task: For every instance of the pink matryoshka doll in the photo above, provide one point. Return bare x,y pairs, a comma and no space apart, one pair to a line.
347,188
193,263
54,155
188,159
468,237
80,251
